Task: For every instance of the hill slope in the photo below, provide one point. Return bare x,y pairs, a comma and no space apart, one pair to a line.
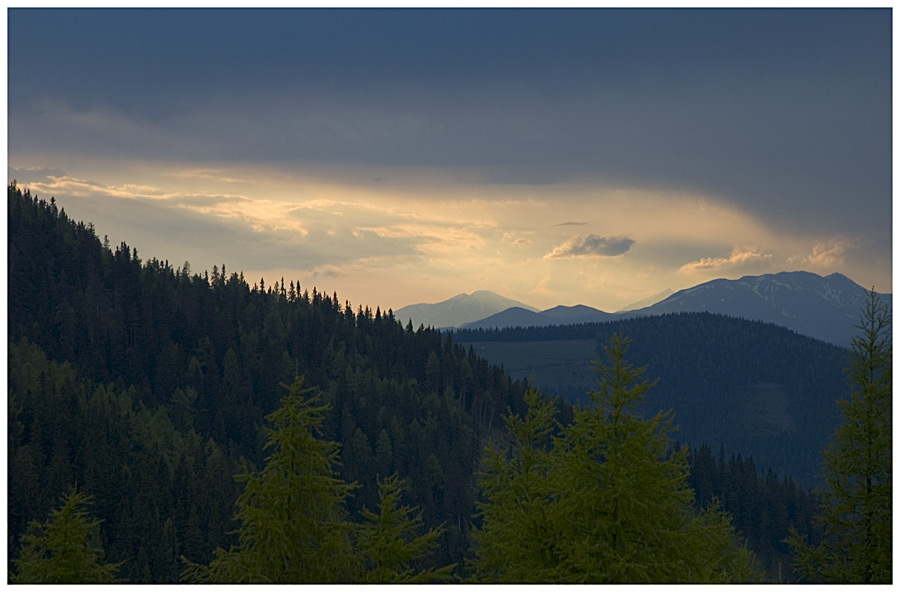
753,387
148,387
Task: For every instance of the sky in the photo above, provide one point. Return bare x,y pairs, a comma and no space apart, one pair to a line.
556,157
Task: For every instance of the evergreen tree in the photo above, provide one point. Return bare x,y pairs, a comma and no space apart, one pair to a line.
388,541
293,524
856,505
514,543
65,549
608,501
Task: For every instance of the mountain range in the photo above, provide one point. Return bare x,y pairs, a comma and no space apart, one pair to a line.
826,308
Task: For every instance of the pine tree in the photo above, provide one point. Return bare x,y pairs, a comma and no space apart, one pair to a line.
388,541
64,550
293,523
606,502
856,504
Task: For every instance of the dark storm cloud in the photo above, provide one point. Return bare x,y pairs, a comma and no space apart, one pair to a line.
604,246
783,112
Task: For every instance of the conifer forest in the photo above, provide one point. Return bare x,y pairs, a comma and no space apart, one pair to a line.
168,425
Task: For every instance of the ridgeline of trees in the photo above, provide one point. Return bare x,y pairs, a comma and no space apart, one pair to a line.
763,506
148,411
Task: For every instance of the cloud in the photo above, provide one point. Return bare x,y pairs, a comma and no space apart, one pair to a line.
63,184
826,254
591,245
431,239
514,238
27,175
215,174
570,224
739,258
718,119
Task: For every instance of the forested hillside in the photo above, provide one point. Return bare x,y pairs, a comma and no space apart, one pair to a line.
146,387
165,377
759,389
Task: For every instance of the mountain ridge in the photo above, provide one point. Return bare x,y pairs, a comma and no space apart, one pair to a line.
825,308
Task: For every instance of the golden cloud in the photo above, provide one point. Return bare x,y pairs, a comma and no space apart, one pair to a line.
591,245
738,259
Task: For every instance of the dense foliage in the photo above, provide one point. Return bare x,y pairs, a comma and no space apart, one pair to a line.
294,524
763,506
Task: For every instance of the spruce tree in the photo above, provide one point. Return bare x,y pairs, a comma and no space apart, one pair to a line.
856,504
606,502
64,549
389,543
294,527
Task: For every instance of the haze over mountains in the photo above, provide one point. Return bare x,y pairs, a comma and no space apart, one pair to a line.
825,308
648,301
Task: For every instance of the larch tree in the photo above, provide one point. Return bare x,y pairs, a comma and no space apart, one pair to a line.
514,544
607,501
294,527
294,524
390,544
64,549
856,502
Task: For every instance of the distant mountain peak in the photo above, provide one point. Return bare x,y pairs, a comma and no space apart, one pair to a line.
458,310
826,308
558,315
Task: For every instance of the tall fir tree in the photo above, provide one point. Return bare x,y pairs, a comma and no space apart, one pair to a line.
65,549
606,502
294,527
856,503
